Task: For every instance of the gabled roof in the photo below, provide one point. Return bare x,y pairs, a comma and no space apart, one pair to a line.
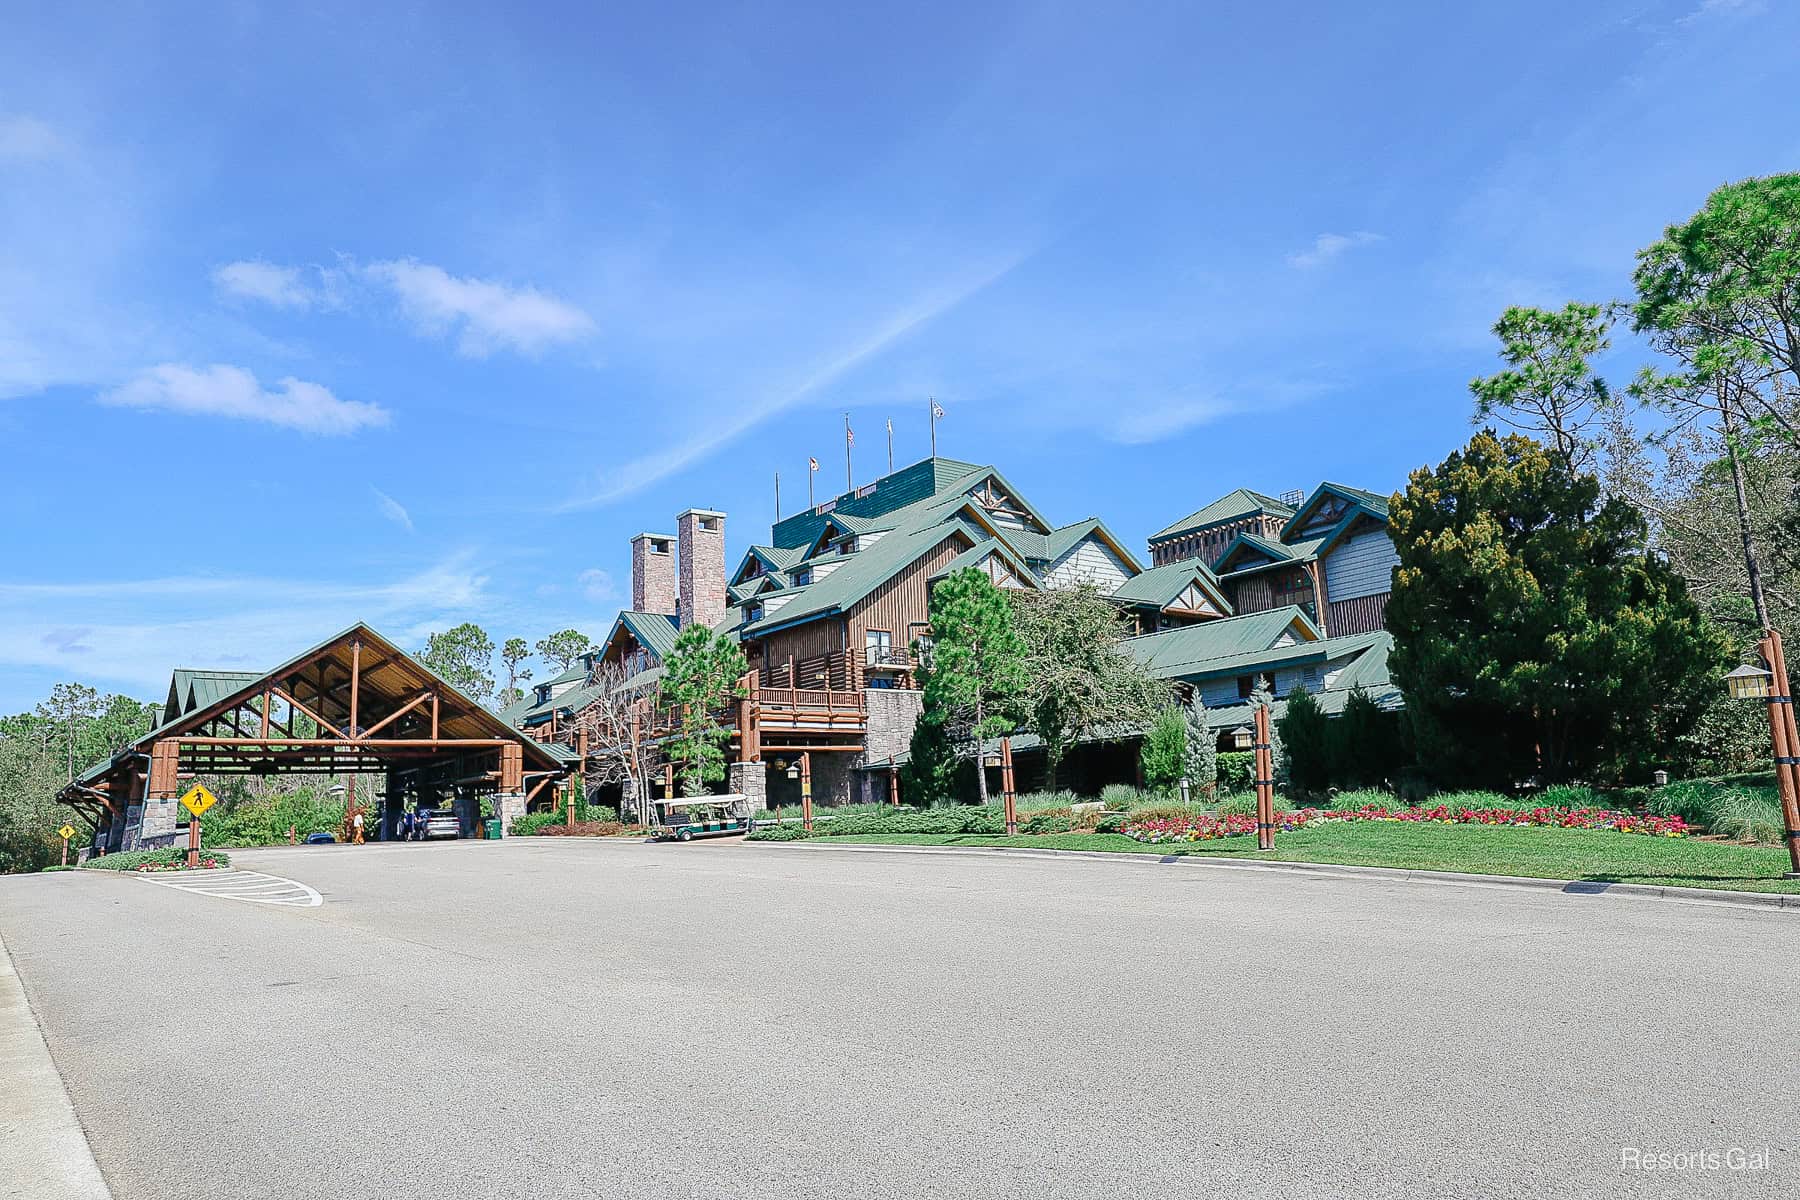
1060,541
974,555
774,560
1217,647
190,689
1370,503
1160,586
1275,554
1232,506
655,632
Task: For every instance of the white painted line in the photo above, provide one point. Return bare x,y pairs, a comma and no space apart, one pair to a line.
44,1155
253,887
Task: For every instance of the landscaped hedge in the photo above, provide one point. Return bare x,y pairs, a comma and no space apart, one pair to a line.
172,858
1236,768
962,818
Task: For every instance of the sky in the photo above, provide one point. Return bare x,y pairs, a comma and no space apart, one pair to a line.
415,314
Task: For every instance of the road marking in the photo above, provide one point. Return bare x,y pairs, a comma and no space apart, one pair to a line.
253,886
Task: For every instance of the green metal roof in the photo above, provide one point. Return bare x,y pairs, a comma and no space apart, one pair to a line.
922,480
1159,585
190,689
1230,507
1280,554
1178,653
655,632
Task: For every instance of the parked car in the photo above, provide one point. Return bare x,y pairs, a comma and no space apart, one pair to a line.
440,823
319,839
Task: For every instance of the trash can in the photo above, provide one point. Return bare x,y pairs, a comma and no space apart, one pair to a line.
493,828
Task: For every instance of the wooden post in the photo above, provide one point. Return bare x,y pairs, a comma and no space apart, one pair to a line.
267,701
893,782
193,855
806,816
434,716
571,794
1785,741
355,684
1007,795
1265,782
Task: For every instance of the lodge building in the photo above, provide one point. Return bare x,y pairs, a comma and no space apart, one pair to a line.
832,609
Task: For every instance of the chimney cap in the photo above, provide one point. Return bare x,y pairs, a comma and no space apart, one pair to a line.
652,537
699,512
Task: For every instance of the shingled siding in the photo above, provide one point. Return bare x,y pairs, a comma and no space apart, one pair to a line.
1089,561
1362,565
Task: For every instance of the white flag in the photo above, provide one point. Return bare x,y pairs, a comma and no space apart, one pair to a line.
937,410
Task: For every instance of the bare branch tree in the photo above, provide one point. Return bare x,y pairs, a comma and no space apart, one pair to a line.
615,722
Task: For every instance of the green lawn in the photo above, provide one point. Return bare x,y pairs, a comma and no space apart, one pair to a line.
1478,849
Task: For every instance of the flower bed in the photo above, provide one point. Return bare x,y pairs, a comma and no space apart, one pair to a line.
1205,827
173,858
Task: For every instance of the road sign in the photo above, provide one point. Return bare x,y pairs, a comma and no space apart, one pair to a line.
66,832
198,799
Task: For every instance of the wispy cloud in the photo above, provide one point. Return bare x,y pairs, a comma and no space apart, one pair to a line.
1719,8
484,315
131,632
639,473
1328,246
1145,423
226,391
23,137
597,585
392,509
253,279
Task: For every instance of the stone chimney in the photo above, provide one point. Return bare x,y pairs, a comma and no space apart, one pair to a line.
701,533
653,573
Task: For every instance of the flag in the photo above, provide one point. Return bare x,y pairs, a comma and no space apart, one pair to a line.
849,436
812,464
937,410
890,427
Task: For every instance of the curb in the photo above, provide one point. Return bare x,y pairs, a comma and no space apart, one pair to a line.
1569,887
45,1153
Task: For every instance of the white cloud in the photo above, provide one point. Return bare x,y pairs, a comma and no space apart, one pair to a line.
131,632
284,287
392,509
487,316
1716,8
227,391
1328,246
26,137
597,585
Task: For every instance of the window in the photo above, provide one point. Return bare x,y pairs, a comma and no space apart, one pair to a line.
1246,685
802,577
753,612
878,647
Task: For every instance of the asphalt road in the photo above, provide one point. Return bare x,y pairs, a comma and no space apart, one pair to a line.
551,1018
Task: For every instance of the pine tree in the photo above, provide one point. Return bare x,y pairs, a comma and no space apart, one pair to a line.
1202,748
1304,730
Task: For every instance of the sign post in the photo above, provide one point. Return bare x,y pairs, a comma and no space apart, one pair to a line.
66,832
1265,782
196,801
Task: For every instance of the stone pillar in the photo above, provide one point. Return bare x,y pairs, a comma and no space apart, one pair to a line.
751,779
134,824
700,596
509,807
653,573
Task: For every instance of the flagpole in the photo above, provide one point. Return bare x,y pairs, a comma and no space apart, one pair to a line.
890,423
931,410
778,495
810,472
848,436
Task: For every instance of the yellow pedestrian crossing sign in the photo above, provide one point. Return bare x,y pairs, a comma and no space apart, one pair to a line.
198,799
66,832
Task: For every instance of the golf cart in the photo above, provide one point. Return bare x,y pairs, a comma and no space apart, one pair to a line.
685,818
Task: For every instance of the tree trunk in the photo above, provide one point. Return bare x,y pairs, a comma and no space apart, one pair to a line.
1752,568
980,754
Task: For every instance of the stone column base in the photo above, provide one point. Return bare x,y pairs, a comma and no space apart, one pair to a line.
509,808
752,780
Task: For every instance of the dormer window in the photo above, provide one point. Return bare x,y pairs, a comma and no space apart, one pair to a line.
802,577
753,612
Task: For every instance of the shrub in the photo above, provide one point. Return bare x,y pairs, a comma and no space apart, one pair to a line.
582,829
1732,810
1161,810
1308,740
962,818
1243,804
530,823
1112,822
1164,753
170,858
1362,798
1119,797
1568,795
1235,769
1047,821
1038,801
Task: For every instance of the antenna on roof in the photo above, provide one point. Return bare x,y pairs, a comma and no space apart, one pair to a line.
1293,497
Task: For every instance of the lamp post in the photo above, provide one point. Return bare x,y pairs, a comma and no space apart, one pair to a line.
1770,685
801,769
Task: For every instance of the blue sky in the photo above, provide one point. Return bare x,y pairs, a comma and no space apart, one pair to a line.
416,315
